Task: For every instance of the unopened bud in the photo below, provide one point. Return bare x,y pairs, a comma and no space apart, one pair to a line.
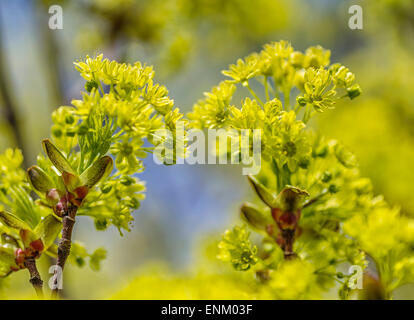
126,180
333,188
354,91
302,101
326,176
69,119
106,188
89,85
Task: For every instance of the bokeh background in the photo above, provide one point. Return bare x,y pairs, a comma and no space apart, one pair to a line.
169,251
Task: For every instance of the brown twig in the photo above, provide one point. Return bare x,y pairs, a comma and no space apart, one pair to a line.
35,279
68,222
287,246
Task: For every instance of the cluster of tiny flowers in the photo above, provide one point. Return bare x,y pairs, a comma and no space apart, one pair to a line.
314,210
119,114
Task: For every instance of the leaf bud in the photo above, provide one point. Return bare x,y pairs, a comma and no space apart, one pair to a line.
326,176
89,85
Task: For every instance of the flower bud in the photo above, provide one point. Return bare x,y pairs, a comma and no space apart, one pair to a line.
133,203
326,176
333,188
320,151
106,188
302,101
89,85
126,180
354,91
69,119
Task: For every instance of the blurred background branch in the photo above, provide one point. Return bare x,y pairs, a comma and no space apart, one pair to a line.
10,110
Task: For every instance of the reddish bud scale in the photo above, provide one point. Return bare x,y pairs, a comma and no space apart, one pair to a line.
74,200
37,245
81,192
286,220
69,179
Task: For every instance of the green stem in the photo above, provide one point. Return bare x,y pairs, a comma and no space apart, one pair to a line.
266,88
286,95
297,108
254,94
276,170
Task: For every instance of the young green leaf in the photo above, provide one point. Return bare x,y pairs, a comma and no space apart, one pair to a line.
52,250
56,157
6,261
39,179
264,194
48,229
102,167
